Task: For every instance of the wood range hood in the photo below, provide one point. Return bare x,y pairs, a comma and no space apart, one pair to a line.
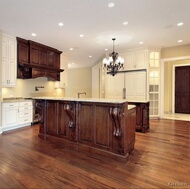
37,60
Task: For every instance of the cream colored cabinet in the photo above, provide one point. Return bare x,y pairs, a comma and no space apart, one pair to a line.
135,60
114,86
8,61
131,86
9,115
135,85
16,114
25,112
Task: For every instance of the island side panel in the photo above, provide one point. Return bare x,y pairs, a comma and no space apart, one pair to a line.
130,128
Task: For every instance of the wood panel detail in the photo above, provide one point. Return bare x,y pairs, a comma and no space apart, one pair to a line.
107,129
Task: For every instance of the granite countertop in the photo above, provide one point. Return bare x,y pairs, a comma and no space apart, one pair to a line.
91,99
14,99
83,99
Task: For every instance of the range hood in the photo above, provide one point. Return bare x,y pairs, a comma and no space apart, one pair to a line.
37,60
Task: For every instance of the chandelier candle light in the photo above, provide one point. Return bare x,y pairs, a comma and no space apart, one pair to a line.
114,62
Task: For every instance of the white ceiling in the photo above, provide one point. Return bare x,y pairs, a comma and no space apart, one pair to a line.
152,21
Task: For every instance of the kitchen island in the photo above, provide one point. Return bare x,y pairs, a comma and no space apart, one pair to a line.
100,126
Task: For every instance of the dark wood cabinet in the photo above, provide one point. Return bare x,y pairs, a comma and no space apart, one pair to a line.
51,124
104,128
22,51
33,57
142,118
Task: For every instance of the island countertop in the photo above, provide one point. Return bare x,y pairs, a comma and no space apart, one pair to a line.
104,100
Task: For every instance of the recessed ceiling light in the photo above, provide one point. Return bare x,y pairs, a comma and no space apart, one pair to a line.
71,49
180,24
125,23
179,41
141,42
33,34
110,5
60,24
106,49
81,35
90,56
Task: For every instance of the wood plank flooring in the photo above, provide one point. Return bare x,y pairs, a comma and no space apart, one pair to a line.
161,159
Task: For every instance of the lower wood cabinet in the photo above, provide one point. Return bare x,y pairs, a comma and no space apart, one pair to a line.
142,115
104,128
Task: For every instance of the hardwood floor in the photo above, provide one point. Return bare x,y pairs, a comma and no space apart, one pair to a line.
161,159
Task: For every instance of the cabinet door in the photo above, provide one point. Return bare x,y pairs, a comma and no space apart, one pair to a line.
114,86
140,86
23,49
8,61
50,58
135,84
129,61
129,85
43,57
34,55
10,117
141,59
51,123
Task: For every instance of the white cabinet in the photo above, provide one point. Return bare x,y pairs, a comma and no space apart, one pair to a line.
16,114
135,85
114,86
10,114
135,60
8,61
25,112
63,75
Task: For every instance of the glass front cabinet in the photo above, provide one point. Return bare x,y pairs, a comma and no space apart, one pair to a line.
154,83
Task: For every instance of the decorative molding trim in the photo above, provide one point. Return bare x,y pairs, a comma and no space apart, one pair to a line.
70,112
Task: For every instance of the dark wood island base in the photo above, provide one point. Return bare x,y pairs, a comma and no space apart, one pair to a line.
102,127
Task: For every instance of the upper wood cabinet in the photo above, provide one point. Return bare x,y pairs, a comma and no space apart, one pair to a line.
34,56
22,51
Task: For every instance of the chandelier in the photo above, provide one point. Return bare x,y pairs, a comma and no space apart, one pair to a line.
114,62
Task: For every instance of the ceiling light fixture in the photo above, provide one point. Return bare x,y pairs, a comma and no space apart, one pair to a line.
114,62
125,23
81,35
90,56
141,42
110,5
60,24
179,41
33,34
180,24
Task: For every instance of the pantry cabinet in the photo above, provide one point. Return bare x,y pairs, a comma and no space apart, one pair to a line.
9,65
135,60
16,114
139,81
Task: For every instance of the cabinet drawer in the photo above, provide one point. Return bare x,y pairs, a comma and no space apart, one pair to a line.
25,108
10,105
27,103
25,120
25,113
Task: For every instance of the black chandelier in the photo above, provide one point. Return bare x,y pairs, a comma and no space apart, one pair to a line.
114,62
